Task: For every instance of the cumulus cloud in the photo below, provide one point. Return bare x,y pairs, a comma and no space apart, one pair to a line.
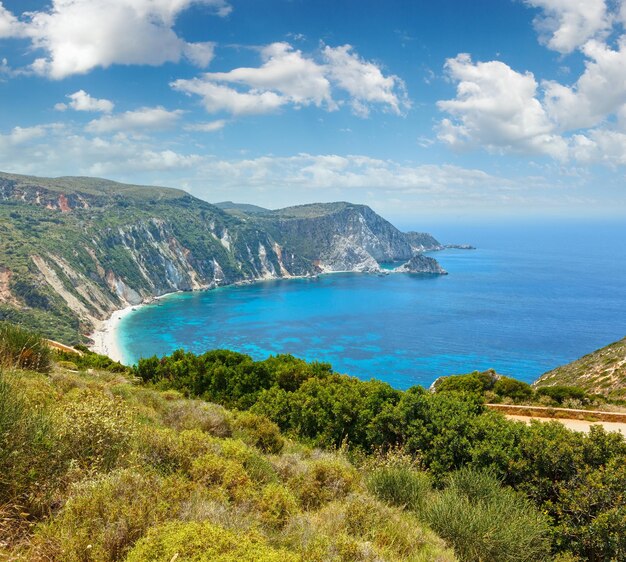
146,118
80,35
286,76
364,81
496,108
9,24
565,25
503,110
600,91
82,101
216,97
286,71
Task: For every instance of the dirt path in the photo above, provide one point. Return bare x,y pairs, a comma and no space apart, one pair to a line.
576,425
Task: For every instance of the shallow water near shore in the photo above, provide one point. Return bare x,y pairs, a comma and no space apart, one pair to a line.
530,298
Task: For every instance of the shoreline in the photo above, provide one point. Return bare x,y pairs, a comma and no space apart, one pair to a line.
105,334
105,340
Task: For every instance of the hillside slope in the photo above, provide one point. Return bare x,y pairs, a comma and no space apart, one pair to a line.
602,371
104,470
73,250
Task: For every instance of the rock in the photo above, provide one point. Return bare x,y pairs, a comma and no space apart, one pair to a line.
420,263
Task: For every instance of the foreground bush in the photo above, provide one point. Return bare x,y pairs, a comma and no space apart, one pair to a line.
400,484
25,444
484,521
104,517
204,542
23,349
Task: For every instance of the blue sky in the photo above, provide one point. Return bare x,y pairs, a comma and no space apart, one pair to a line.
492,108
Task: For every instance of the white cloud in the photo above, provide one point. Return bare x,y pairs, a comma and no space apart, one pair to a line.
218,98
9,25
602,146
497,108
599,92
80,35
82,101
146,118
288,77
286,71
210,127
364,81
22,135
567,24
200,54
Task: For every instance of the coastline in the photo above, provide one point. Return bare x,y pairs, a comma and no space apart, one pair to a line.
105,340
105,336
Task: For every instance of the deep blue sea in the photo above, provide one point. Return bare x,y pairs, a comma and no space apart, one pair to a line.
531,297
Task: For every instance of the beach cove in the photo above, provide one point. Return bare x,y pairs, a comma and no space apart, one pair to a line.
522,303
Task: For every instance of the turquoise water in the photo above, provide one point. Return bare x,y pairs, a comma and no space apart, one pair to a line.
530,298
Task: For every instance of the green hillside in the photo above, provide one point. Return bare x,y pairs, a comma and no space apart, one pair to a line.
219,457
602,372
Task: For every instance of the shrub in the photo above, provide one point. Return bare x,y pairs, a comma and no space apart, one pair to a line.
94,430
204,542
259,432
25,443
194,414
69,365
23,349
364,529
560,393
276,504
214,471
473,382
400,485
324,480
507,387
483,521
104,517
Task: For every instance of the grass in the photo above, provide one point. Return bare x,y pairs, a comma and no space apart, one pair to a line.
23,349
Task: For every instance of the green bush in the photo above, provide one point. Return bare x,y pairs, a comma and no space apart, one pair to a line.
473,382
518,391
94,430
561,393
104,517
276,504
324,480
23,349
204,542
400,485
484,521
215,471
259,432
26,444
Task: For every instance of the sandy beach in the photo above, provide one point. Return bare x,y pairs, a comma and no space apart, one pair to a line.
104,337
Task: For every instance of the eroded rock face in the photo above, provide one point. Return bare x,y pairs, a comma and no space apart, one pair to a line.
420,263
95,246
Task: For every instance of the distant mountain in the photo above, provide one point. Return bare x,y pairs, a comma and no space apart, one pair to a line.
73,249
600,372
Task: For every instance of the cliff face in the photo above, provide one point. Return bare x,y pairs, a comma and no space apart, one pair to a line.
338,236
73,250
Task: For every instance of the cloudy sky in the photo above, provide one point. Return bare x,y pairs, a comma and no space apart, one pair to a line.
488,108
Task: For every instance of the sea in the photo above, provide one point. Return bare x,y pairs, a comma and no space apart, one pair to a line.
533,295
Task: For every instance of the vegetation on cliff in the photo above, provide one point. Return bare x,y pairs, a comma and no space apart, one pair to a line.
602,372
73,250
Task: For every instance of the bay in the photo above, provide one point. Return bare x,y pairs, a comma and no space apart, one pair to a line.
531,297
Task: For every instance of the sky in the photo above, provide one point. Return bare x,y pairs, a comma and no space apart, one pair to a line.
483,109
